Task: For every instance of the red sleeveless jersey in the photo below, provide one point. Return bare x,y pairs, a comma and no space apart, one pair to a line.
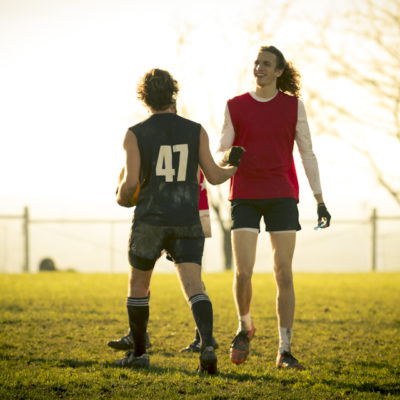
267,131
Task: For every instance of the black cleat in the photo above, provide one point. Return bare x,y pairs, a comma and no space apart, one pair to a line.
286,360
127,343
194,347
130,361
208,361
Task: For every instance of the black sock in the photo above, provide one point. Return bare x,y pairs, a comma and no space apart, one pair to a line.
203,316
197,337
138,313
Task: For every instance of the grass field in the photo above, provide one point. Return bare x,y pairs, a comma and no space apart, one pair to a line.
54,328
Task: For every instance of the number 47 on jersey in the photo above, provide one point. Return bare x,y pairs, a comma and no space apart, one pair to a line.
164,165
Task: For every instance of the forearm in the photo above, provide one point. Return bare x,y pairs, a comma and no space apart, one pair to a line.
228,172
318,197
221,175
309,160
311,170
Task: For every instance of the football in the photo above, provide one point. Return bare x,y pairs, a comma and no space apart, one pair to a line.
135,196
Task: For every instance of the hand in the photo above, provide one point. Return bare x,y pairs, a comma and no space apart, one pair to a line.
324,218
234,155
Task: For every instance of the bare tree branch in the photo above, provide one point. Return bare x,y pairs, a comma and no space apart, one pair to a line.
372,70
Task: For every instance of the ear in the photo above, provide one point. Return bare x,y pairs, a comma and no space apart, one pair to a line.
278,72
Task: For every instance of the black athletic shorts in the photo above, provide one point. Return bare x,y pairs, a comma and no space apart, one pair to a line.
182,243
279,214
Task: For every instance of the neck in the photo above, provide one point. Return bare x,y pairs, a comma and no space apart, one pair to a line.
171,109
266,91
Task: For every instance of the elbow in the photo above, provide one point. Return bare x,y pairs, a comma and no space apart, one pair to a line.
215,179
308,156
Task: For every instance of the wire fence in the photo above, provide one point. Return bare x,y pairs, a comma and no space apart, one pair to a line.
100,245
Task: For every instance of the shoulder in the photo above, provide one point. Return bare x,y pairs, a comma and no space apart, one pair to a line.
130,139
240,98
187,122
288,98
138,126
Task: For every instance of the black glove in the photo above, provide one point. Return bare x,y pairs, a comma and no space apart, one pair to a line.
323,215
234,155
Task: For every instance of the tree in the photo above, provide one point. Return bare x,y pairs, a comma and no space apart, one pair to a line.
359,50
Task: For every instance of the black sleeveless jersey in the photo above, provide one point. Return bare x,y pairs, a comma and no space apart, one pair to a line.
169,159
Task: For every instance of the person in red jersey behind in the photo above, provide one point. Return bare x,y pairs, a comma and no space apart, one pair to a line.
267,122
204,209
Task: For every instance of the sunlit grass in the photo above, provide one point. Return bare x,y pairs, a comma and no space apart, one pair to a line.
54,328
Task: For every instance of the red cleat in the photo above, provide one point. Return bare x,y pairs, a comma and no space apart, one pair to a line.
240,347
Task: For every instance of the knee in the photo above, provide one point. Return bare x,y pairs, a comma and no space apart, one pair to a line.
243,276
139,283
283,276
138,291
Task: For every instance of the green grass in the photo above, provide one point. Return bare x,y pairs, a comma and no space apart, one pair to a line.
54,328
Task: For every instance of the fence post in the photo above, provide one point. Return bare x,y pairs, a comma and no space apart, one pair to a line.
26,238
374,218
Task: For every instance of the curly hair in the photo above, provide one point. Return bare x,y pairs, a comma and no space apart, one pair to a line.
289,81
158,89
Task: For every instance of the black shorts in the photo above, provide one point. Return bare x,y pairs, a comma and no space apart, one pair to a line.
279,214
146,242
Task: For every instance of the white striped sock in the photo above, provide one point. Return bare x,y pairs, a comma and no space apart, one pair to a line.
137,302
198,297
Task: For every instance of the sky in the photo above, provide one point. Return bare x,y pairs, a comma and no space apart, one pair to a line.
68,76
69,71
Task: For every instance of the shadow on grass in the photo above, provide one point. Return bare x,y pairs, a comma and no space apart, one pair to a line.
59,363
232,376
153,369
68,363
247,377
379,365
365,387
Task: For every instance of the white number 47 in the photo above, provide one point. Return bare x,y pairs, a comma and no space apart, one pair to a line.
164,162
